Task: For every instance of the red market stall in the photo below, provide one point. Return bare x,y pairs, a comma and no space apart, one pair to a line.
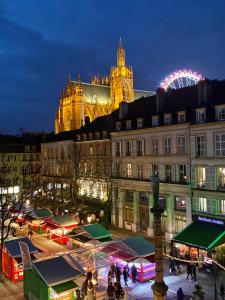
135,250
12,260
58,226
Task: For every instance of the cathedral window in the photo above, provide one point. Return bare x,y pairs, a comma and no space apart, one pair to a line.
140,123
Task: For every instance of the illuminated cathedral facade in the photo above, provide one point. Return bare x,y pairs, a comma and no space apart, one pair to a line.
81,101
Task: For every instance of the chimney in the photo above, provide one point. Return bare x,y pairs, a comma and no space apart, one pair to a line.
123,109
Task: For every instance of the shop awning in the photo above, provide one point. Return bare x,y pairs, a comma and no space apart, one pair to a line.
13,247
96,231
140,245
65,286
202,235
62,221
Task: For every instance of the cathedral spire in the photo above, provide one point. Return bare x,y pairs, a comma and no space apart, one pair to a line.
120,54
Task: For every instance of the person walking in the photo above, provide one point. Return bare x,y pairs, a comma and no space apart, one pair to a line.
134,273
193,272
172,266
189,271
222,290
180,294
118,274
110,276
125,276
111,291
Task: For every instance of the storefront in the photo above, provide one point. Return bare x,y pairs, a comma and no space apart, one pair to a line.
200,237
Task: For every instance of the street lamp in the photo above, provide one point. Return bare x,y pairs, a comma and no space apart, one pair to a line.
215,268
159,287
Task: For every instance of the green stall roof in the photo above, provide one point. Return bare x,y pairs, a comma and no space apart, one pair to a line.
65,286
139,245
203,235
96,231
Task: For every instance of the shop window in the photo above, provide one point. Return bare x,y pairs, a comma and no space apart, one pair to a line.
202,204
143,198
180,203
221,178
129,214
220,144
201,172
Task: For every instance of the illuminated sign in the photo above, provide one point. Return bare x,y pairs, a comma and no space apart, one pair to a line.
209,220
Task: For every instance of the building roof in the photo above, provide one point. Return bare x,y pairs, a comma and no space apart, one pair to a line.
55,270
13,247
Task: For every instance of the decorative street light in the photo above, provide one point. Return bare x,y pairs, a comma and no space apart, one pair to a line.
159,287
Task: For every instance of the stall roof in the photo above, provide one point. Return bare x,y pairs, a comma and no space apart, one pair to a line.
140,245
13,247
119,250
96,231
55,270
42,213
64,220
65,286
203,235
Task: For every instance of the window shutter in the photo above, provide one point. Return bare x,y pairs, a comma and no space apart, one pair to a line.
173,170
123,148
213,178
113,149
161,172
193,147
150,172
188,173
193,177
134,148
207,177
143,147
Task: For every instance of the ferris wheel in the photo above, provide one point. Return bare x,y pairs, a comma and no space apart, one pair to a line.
180,79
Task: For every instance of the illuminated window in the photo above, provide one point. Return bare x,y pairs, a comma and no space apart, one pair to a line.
128,170
129,214
221,178
129,124
222,207
202,204
181,145
180,203
201,177
220,144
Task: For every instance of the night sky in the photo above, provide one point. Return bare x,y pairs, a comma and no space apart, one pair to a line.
42,41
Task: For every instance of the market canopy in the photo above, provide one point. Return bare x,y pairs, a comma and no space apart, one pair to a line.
97,231
62,221
12,246
140,246
42,213
203,235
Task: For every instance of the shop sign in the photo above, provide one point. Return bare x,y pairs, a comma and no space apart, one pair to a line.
210,220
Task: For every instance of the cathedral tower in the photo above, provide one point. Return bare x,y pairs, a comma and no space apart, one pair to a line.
121,80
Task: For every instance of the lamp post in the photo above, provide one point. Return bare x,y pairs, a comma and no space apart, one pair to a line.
159,287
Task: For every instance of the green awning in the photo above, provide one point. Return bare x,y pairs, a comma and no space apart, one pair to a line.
202,235
96,231
65,286
139,245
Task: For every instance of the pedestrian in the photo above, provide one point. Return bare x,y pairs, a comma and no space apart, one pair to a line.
125,276
118,274
134,273
113,268
178,266
111,291
110,276
180,294
118,290
193,271
78,295
189,271
222,290
172,266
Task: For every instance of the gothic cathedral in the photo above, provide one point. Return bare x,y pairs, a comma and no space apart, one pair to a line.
100,97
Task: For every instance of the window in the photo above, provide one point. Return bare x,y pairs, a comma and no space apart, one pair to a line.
220,113
155,146
129,215
128,170
104,134
181,117
140,147
143,198
220,144
128,124
201,173
155,121
118,125
167,145
168,173
182,173
221,178
201,145
129,148
118,148
155,169
91,150
180,203
203,204
129,196
181,145
140,171
167,119
162,201
200,115
222,207
140,123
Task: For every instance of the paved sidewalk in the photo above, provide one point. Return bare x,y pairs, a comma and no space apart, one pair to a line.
11,291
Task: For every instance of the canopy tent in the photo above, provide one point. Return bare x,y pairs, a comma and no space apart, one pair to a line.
202,235
42,213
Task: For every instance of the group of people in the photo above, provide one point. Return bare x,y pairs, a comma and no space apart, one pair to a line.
115,290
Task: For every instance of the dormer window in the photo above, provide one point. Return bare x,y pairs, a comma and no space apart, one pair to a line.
118,125
90,136
155,121
220,113
200,115
167,119
104,134
140,123
78,137
128,124
97,135
84,137
181,117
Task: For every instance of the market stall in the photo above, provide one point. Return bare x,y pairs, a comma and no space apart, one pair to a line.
12,259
